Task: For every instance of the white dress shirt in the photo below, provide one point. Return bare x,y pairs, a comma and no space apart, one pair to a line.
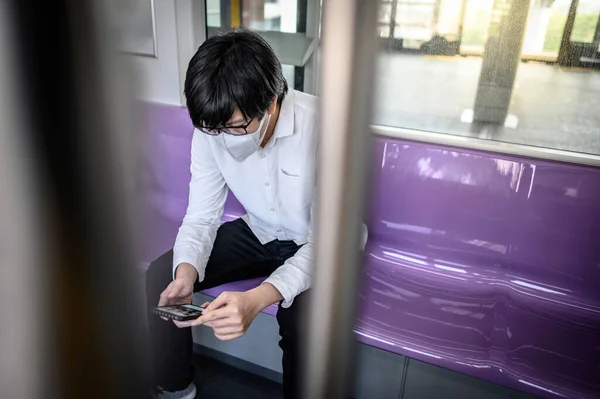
275,185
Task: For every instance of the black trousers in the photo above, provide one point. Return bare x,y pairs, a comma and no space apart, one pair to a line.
237,255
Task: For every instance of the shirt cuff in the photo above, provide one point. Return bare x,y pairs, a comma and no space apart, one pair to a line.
187,255
284,289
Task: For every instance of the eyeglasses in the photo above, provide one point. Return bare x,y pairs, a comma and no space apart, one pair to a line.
232,130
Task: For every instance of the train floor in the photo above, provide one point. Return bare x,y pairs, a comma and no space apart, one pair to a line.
216,380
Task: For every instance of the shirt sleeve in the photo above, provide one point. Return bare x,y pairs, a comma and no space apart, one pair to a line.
295,275
208,192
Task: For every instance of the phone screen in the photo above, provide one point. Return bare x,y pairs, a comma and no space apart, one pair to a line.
184,311
193,307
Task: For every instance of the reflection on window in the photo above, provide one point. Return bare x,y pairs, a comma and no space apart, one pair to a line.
261,15
503,70
267,15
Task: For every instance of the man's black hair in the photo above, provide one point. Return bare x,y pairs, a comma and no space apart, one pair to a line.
236,68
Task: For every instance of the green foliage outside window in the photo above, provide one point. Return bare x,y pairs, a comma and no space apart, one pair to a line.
583,31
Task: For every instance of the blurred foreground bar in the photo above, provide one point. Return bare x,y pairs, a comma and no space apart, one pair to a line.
68,182
21,291
348,63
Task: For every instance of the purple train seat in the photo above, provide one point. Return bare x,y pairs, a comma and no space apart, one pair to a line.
482,263
485,264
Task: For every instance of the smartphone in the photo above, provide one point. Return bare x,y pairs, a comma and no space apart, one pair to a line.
179,312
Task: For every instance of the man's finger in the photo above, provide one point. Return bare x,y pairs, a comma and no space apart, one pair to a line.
164,296
162,300
213,315
228,330
184,324
221,300
221,323
228,337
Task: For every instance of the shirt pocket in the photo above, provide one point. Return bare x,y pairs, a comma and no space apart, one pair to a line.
290,173
297,189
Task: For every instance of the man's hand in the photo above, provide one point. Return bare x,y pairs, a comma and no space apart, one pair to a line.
180,290
231,313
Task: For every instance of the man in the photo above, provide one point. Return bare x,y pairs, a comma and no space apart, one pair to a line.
255,137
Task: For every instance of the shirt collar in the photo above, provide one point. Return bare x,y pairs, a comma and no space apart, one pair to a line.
285,122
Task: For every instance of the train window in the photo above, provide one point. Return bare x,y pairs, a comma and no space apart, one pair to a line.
283,24
268,15
584,28
213,13
524,72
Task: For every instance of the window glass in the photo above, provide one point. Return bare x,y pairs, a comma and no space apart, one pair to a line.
385,13
383,30
270,15
213,13
288,74
476,25
586,20
556,22
447,20
262,15
414,22
493,69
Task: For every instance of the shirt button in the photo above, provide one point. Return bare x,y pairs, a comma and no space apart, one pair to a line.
279,230
272,209
262,155
267,184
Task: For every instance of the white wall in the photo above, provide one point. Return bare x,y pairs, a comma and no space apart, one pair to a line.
158,79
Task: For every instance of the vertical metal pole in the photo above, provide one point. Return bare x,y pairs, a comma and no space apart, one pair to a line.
236,13
349,53
225,10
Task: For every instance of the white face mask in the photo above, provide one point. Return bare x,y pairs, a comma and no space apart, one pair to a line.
242,146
